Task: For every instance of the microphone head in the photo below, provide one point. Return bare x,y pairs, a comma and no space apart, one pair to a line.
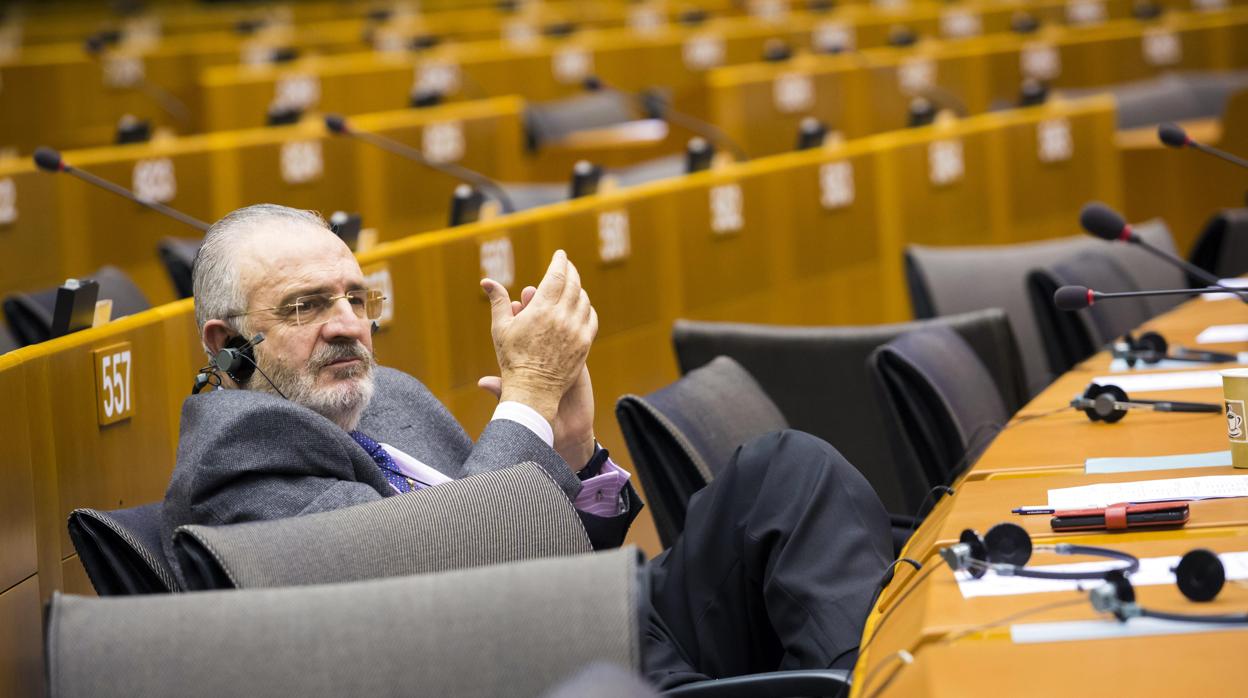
48,160
1104,222
1172,135
592,83
1072,297
336,123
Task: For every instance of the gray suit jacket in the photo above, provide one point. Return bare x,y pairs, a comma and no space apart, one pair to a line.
250,456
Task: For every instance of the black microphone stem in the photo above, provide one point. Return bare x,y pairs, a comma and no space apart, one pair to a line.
1167,292
126,194
1191,269
1233,159
457,171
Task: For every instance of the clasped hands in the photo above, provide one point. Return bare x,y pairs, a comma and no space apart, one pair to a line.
542,342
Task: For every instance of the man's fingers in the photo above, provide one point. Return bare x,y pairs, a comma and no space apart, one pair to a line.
526,296
500,302
593,323
583,306
551,286
492,385
572,289
516,307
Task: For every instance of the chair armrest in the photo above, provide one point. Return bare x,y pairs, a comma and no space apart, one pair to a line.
776,684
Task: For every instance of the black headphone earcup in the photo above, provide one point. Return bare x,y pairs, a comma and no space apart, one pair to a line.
1103,398
235,360
1151,341
978,551
1200,575
1008,543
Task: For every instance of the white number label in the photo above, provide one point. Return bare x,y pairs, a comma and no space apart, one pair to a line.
1085,12
957,24
916,74
442,77
836,184
1162,47
8,201
113,386
1209,5
153,180
769,10
944,162
614,242
1053,140
793,92
833,37
519,34
297,92
443,142
726,203
1040,61
301,161
645,20
703,52
498,262
123,71
572,64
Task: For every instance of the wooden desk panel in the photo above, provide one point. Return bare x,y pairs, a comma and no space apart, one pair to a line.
18,554
21,644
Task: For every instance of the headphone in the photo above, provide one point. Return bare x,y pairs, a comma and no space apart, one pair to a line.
1199,576
1151,348
1109,404
237,359
1007,548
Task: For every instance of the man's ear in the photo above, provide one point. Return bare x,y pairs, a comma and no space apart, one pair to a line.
216,333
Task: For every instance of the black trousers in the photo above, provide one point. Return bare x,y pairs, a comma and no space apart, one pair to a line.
776,568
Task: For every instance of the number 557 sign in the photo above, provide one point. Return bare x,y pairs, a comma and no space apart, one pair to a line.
113,399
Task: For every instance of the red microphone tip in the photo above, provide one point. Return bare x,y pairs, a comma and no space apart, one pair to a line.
1091,297
1126,234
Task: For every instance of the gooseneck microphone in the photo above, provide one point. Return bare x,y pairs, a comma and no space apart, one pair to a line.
1107,224
1174,136
50,160
655,105
1080,297
338,125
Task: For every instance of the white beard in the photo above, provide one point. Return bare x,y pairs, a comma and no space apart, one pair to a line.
342,403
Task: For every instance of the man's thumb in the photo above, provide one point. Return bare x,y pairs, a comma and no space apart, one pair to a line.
500,302
492,385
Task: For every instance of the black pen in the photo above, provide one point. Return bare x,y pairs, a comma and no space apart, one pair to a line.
1027,511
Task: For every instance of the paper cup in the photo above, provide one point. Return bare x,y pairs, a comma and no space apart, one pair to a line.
1235,392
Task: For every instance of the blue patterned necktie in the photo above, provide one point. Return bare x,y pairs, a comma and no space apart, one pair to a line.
384,461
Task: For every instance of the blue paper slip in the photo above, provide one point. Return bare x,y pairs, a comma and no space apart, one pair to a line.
1213,459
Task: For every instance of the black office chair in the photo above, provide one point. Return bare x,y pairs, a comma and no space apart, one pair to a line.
7,343
681,436
121,550
29,315
817,377
555,120
1071,337
939,403
1222,248
178,256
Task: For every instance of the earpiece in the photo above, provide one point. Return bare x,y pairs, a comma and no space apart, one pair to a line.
237,358
1199,576
1109,404
1152,348
1007,548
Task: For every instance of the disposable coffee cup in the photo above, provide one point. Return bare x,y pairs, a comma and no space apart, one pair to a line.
1235,393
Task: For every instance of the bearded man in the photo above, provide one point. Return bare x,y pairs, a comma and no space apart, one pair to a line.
781,552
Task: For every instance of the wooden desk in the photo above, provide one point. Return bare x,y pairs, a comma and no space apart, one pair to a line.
924,613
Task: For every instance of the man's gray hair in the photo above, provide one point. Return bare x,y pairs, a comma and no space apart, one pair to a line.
214,276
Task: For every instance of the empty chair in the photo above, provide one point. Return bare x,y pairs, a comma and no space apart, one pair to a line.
29,315
949,280
1174,96
1070,337
1222,248
547,122
939,403
515,629
7,343
817,377
178,256
121,550
682,435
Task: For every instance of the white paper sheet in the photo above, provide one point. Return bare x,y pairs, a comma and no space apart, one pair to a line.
1153,571
1212,459
1120,365
1108,629
1152,382
1229,283
1222,334
1165,490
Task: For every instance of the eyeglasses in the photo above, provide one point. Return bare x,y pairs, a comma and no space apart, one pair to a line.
317,308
